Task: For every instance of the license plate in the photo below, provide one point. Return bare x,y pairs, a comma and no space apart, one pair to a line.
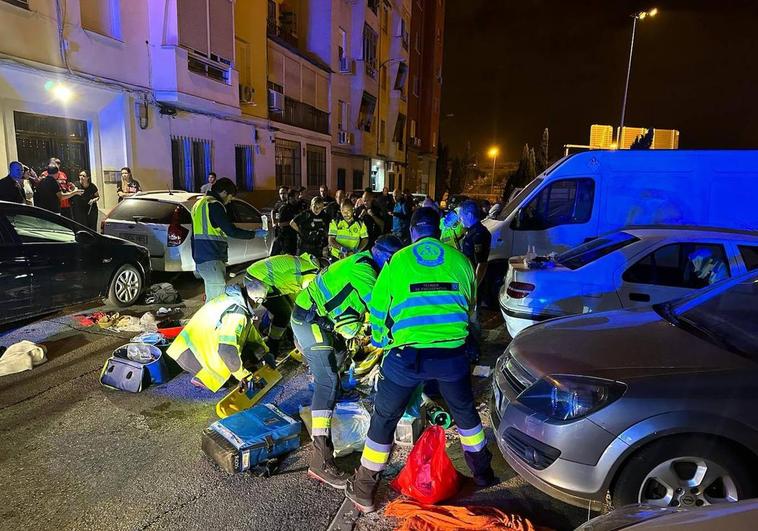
140,239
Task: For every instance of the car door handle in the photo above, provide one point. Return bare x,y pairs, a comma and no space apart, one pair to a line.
639,297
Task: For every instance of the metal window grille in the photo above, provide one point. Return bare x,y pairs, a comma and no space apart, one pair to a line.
316,165
243,163
190,162
287,159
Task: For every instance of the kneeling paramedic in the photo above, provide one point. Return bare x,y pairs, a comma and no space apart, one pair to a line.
282,278
221,337
420,311
334,304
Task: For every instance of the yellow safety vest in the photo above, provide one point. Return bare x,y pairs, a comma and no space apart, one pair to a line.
347,234
202,229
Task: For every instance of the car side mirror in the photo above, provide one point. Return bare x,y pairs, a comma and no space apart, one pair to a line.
85,237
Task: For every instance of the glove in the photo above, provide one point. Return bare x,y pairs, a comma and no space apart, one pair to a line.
260,233
372,378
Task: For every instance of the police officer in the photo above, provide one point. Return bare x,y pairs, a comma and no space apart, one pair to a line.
452,230
284,212
420,309
312,227
221,338
347,235
334,307
282,277
211,227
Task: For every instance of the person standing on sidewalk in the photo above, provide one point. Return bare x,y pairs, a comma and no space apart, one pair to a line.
421,307
10,187
211,227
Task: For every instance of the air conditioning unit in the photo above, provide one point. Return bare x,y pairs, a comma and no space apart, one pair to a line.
247,94
344,138
347,66
275,101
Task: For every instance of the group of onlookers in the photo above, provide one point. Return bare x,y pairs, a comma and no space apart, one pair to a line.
54,191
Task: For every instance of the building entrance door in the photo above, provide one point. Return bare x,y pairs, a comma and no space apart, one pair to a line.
40,137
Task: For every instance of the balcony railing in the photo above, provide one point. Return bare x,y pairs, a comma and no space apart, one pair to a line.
302,115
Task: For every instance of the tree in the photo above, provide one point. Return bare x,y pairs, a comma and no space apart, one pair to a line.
543,158
531,167
643,141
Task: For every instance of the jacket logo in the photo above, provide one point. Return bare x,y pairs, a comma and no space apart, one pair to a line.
429,254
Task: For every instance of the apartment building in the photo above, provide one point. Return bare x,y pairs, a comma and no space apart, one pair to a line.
266,92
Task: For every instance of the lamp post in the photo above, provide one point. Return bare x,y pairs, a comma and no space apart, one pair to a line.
493,153
640,15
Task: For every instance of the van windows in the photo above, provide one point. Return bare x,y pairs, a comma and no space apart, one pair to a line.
594,250
514,203
681,265
749,256
565,202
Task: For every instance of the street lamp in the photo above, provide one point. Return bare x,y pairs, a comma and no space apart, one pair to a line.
640,15
493,153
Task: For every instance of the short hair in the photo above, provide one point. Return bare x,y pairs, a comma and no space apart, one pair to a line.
224,184
52,169
469,208
425,221
212,173
347,203
318,200
15,163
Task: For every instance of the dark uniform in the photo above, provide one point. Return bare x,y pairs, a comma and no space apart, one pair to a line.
313,232
286,237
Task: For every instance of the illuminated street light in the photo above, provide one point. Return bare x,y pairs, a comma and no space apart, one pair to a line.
640,15
59,91
493,153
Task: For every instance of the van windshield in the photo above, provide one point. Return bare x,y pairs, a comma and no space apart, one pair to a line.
595,249
514,203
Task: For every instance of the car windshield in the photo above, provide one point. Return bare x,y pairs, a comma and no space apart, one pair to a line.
592,250
148,211
514,203
727,314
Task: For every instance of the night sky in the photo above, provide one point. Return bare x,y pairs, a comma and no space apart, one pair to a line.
514,67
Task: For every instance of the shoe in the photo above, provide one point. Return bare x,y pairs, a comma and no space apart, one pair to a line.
322,466
197,383
361,489
486,480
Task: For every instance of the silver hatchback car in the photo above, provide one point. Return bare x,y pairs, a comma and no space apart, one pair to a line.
653,405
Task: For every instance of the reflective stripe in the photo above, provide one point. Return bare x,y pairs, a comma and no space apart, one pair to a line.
374,456
316,330
322,287
205,215
425,320
270,272
298,267
210,237
429,300
231,340
472,440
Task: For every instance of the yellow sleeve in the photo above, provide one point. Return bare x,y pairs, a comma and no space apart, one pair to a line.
231,335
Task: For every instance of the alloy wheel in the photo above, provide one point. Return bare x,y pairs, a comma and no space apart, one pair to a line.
127,285
688,482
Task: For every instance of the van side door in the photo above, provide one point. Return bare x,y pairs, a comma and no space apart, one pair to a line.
562,215
671,271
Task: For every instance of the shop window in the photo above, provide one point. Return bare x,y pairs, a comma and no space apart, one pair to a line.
190,162
316,165
287,162
243,164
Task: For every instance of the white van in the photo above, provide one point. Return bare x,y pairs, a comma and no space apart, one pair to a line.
587,194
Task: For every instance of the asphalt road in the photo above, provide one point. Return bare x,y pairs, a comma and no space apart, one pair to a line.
75,455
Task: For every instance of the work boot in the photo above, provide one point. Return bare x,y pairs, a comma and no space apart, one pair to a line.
322,466
361,489
480,464
273,346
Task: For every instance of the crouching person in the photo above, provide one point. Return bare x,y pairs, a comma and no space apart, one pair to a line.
221,338
334,306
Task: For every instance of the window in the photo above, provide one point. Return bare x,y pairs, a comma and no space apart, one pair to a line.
341,176
399,135
206,29
241,212
366,115
316,162
416,85
370,39
403,33
402,75
18,3
342,49
412,129
101,16
382,131
681,265
273,18
357,179
749,256
384,22
565,202
593,250
190,162
33,229
287,159
150,211
243,166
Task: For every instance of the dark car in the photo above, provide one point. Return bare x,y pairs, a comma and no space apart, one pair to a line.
48,262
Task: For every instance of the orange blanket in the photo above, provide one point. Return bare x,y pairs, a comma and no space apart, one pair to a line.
418,517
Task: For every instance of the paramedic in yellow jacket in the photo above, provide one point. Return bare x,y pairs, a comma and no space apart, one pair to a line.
221,338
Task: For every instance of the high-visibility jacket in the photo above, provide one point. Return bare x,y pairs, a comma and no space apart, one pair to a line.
208,242
285,274
210,345
341,293
348,235
423,298
452,236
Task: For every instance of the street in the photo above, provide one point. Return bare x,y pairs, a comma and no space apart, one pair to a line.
78,455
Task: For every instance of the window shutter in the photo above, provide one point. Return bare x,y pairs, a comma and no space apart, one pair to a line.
275,67
309,86
192,17
292,78
222,28
322,93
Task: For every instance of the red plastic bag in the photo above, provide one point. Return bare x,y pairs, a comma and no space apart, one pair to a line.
428,476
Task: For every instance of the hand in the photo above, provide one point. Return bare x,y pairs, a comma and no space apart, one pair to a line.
260,233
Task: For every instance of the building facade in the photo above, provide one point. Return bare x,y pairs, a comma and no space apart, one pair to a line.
265,92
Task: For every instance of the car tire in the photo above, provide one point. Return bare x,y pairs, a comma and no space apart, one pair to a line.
126,286
676,458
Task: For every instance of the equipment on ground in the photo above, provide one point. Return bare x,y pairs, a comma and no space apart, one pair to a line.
242,441
242,398
133,373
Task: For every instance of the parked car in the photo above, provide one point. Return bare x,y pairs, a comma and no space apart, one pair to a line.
627,269
738,516
48,261
652,405
588,194
161,221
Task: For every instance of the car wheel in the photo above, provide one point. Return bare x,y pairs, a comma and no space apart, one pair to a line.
685,473
126,286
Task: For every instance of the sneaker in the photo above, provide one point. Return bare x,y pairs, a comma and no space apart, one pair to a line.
328,474
363,504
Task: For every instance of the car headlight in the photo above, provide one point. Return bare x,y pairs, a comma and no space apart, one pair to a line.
570,397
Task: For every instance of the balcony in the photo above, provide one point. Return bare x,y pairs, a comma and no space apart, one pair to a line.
345,138
301,114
